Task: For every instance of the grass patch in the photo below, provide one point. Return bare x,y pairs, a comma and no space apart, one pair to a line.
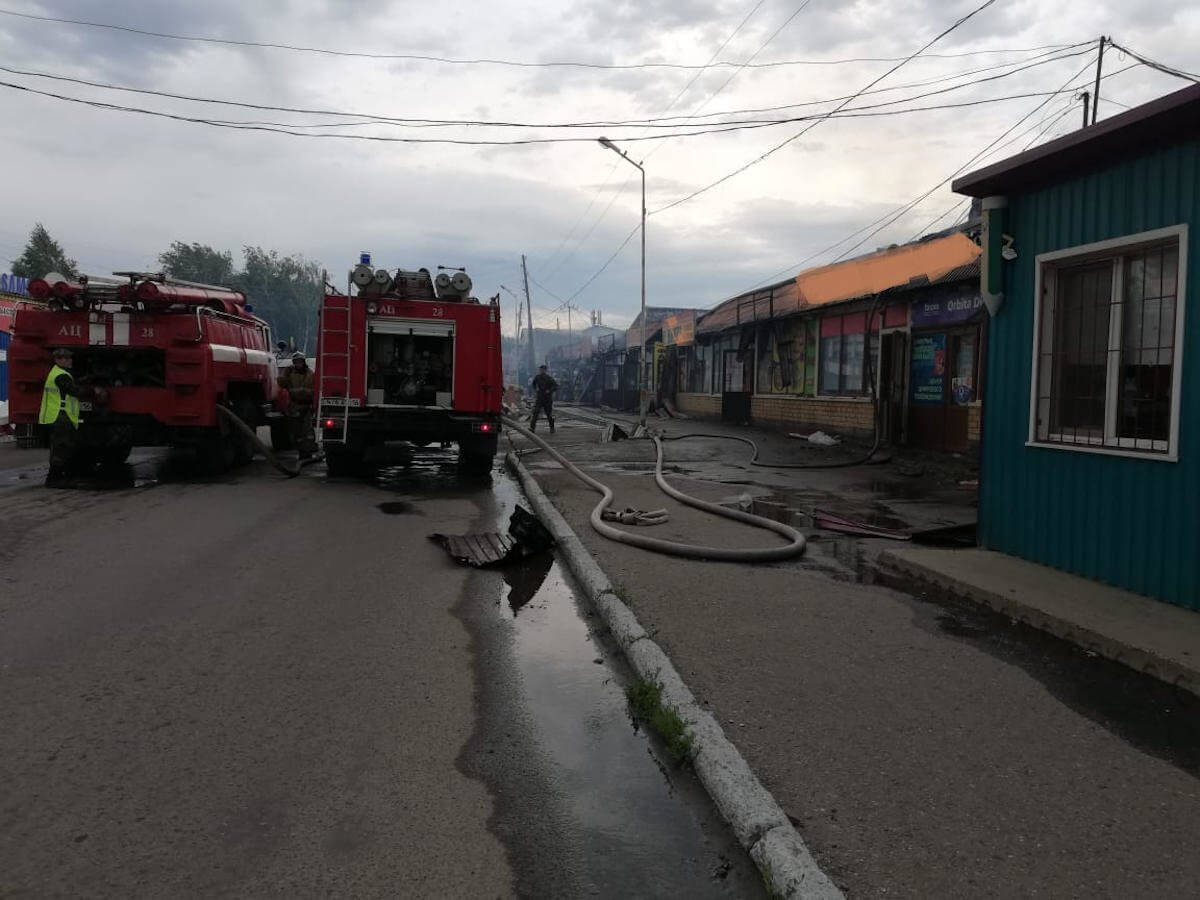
646,704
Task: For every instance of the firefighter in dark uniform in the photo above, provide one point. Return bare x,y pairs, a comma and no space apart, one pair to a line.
299,383
544,387
60,413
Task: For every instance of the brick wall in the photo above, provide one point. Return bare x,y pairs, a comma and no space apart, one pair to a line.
702,405
844,416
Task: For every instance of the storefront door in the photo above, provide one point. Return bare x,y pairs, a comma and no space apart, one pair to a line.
943,384
735,389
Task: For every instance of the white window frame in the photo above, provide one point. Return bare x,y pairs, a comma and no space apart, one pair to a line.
1047,265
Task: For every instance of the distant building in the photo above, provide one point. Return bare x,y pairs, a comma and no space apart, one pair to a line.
1091,441
893,338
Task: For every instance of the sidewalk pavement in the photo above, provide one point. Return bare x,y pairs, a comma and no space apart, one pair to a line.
922,749
1152,637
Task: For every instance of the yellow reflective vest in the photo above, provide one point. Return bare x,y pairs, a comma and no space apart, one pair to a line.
53,402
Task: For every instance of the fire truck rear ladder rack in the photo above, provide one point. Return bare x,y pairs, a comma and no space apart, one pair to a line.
344,378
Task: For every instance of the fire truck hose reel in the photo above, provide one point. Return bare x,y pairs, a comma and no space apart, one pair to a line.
289,471
794,547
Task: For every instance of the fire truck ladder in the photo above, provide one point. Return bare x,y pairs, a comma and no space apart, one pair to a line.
341,337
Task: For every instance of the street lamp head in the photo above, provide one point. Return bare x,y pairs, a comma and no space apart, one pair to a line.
605,142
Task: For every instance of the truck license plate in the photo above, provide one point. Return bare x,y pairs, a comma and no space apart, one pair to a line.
341,401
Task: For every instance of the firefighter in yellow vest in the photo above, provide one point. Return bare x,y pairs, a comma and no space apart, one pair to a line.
60,413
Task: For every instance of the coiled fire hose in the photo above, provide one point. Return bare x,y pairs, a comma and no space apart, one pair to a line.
794,547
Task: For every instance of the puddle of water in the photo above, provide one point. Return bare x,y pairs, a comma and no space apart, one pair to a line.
1156,718
647,825
900,490
418,470
586,802
526,579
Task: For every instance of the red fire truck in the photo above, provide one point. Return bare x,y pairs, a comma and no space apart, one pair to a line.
167,352
408,358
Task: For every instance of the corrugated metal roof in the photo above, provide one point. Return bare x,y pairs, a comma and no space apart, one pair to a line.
1167,120
772,301
654,317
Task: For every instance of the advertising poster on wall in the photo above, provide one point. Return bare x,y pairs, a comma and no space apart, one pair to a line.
929,368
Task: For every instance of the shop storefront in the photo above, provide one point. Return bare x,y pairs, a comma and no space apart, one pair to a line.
13,290
944,366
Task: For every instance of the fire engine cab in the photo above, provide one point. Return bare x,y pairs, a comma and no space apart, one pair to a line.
405,356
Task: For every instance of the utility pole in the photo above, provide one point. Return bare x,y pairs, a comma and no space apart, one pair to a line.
529,316
1099,68
1086,97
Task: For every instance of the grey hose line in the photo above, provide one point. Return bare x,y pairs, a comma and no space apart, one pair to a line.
674,548
253,436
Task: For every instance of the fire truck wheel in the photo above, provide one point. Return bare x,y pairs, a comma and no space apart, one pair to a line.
475,455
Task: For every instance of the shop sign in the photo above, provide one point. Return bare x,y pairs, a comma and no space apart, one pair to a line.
950,310
680,329
13,284
929,368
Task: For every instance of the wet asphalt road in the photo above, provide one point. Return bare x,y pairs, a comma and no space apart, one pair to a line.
259,687
925,748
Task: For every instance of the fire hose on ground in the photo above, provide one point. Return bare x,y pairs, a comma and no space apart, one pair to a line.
794,547
267,452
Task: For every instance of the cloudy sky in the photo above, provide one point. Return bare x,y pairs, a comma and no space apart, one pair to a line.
117,187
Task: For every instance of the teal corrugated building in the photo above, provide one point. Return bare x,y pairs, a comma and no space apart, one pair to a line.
1091,430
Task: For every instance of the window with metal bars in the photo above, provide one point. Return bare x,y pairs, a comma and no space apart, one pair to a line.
1106,367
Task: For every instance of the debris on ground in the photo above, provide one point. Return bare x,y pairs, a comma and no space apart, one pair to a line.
631,516
526,537
818,438
833,522
613,432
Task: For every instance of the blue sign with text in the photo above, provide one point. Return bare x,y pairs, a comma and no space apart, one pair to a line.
14,284
945,310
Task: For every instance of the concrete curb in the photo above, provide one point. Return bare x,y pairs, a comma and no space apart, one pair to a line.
1127,654
761,826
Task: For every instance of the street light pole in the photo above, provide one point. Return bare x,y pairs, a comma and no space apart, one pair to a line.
643,380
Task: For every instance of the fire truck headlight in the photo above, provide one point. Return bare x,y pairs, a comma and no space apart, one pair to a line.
80,302
372,308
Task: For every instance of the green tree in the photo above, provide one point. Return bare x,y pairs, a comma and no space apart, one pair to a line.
43,255
198,262
286,291
283,290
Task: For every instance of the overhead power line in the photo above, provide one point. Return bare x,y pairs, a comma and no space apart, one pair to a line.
363,118
809,128
889,217
524,64
583,287
736,72
1154,64
762,46
613,168
289,129
941,79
